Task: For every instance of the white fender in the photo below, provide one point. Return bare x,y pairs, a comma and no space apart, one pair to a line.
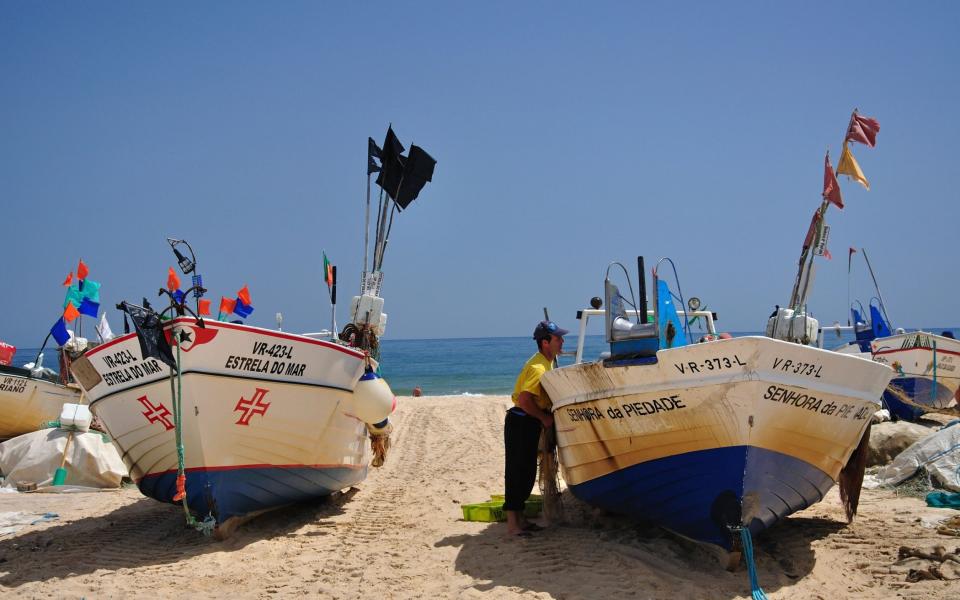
373,400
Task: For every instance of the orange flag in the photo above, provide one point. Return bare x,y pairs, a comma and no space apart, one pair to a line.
227,305
173,282
82,271
244,294
831,188
69,279
70,313
204,306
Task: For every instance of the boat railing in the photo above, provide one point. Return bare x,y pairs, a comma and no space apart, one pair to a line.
584,317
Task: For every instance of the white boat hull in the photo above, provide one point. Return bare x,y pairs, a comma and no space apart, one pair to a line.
266,417
26,403
927,370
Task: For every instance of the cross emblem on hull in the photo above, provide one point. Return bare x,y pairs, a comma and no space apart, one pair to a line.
156,414
253,406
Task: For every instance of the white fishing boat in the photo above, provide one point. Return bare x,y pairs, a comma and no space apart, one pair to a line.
231,420
29,398
926,372
267,418
707,438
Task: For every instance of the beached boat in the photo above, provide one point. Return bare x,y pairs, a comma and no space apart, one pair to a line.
926,373
707,438
231,419
29,398
268,418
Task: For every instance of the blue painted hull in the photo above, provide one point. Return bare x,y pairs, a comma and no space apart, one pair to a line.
920,390
226,493
698,493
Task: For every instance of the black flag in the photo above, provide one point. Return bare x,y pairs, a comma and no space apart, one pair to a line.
391,161
150,333
417,171
373,151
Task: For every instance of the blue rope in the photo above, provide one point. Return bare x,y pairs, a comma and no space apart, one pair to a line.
755,592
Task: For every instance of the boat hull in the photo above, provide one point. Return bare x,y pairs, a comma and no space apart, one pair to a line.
26,402
927,370
266,417
738,432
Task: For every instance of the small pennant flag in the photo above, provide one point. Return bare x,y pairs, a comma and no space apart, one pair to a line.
103,329
70,312
89,307
244,295
82,270
812,230
848,166
204,306
863,129
59,332
831,188
242,309
91,290
73,295
226,307
69,279
327,270
173,282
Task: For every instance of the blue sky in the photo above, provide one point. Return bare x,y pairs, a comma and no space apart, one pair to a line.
567,135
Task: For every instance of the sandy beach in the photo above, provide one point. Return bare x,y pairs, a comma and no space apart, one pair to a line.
401,535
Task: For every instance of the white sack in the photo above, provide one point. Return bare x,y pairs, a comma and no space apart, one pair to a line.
938,453
36,456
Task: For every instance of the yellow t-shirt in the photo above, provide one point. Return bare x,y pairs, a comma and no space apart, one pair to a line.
529,380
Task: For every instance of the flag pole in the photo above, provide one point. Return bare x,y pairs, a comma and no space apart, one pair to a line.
849,262
883,306
366,222
333,304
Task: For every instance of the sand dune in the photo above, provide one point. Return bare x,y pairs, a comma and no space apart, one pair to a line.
400,535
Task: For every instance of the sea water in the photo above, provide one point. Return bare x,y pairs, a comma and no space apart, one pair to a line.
464,366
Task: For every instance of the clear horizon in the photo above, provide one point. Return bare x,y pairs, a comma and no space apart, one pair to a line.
566,137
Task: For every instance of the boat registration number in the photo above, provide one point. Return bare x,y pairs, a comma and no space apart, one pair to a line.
717,363
13,384
798,367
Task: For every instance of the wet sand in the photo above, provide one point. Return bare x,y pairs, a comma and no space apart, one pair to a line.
400,535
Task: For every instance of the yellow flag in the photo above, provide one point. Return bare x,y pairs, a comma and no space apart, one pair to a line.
848,166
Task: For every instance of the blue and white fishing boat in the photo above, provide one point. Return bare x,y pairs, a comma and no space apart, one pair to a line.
926,373
706,438
925,364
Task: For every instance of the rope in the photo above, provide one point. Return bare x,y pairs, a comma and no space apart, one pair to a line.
208,524
755,592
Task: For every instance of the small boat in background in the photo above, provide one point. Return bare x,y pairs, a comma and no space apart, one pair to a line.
926,364
30,397
926,373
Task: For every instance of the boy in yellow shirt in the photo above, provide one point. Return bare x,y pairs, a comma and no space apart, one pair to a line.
521,428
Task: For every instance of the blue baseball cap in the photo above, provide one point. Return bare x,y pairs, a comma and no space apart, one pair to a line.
547,328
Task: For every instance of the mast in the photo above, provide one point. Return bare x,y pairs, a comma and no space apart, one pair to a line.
883,306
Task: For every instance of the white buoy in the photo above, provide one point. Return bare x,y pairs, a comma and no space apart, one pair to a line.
373,400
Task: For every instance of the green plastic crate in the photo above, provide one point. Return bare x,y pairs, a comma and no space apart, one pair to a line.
486,512
492,511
